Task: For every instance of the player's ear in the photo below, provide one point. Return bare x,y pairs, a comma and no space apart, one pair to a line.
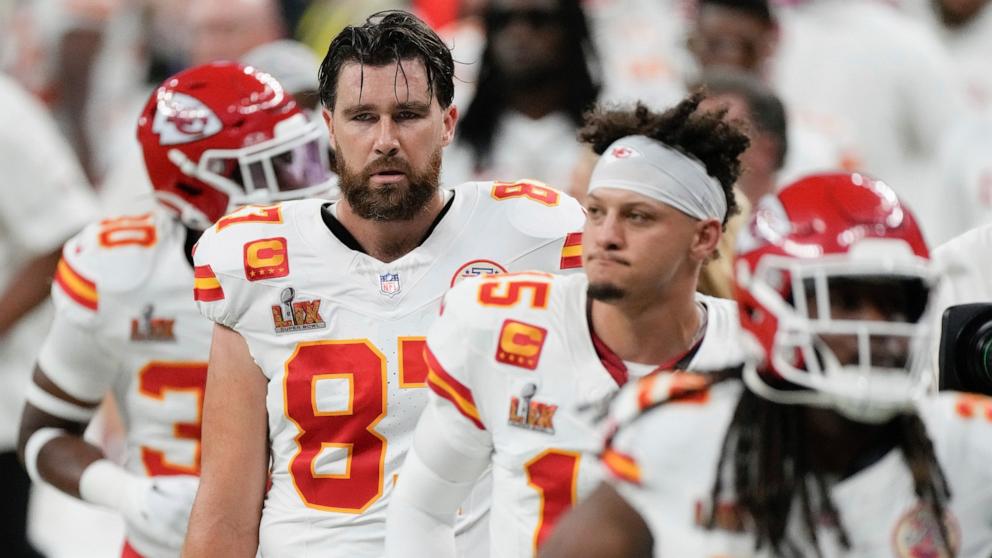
329,120
706,239
449,119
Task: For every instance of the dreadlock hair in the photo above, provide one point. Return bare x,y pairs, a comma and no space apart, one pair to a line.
705,136
764,444
477,127
386,37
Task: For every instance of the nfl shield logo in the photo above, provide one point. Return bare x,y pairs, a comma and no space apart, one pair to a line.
389,284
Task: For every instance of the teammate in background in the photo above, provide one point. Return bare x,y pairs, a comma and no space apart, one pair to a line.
537,75
832,446
740,34
330,391
214,137
513,358
749,101
44,199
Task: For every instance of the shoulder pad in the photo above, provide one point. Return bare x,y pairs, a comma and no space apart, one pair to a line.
111,256
493,296
251,243
533,208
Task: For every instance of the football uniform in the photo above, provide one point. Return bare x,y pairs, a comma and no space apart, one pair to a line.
664,463
513,364
125,322
340,335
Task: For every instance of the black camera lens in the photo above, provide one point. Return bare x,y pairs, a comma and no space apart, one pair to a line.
966,348
979,363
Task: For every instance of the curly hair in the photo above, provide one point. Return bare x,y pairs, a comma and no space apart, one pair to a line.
705,136
386,37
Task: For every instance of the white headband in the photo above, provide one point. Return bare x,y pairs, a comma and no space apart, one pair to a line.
650,168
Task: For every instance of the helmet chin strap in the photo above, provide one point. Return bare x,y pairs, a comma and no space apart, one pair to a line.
187,213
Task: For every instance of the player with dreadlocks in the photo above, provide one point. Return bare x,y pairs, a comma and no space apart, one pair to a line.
831,445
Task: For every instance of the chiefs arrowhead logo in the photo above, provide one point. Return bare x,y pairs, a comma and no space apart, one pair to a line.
181,118
622,152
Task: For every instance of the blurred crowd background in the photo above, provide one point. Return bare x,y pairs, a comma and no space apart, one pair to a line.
898,89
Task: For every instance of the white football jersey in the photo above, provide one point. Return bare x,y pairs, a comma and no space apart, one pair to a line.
125,321
664,463
513,363
340,337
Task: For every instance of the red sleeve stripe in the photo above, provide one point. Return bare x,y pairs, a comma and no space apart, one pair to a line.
449,388
75,286
571,252
645,391
206,287
622,466
203,272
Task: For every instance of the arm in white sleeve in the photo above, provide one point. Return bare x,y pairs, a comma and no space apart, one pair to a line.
439,472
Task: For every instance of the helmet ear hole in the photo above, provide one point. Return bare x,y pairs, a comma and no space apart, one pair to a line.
754,314
189,189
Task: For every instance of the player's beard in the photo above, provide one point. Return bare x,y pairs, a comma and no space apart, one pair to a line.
389,202
605,292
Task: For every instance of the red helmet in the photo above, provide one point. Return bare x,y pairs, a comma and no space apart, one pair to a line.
222,135
824,236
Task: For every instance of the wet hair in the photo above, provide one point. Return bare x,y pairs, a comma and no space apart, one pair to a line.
705,136
387,37
756,8
764,446
764,106
477,126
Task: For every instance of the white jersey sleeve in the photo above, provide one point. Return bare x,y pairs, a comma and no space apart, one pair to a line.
451,357
216,265
451,445
71,355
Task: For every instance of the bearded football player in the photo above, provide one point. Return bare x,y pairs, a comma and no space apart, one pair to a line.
321,308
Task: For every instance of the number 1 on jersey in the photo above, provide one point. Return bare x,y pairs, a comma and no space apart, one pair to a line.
554,474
